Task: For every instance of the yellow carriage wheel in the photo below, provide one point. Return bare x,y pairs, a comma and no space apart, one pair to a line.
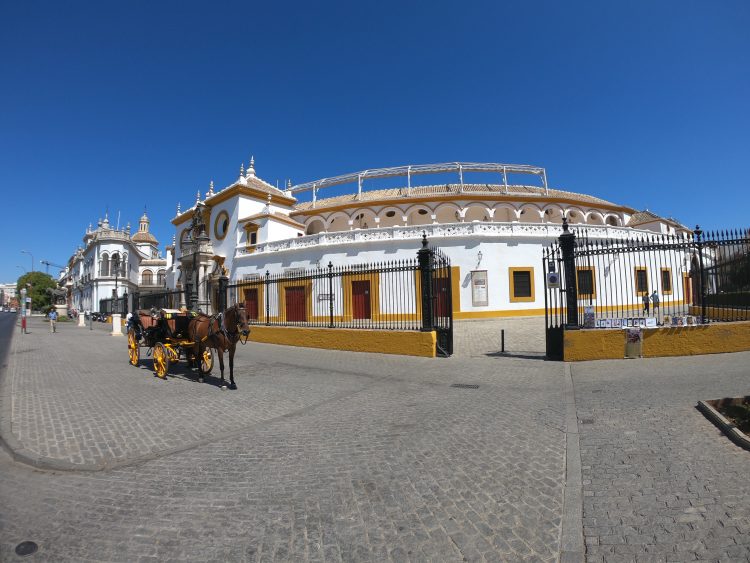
134,351
161,360
207,361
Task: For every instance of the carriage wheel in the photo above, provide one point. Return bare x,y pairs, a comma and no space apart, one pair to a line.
134,351
161,360
206,361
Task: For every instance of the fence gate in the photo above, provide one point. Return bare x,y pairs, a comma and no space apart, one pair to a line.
554,311
442,302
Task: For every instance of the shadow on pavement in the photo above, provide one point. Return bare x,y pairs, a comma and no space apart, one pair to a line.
519,355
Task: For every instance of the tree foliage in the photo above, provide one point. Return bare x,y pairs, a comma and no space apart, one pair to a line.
36,284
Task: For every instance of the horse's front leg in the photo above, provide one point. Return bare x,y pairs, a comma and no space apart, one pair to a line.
197,355
232,384
220,353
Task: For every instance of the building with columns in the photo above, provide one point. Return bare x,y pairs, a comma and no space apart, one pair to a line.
493,233
113,262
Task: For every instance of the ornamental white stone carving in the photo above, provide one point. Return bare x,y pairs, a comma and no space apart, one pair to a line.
443,230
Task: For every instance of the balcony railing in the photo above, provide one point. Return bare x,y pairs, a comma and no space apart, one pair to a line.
442,230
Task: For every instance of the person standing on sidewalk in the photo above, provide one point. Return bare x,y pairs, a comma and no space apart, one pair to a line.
655,304
645,303
53,320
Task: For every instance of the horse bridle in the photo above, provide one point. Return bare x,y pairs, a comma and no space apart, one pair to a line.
231,335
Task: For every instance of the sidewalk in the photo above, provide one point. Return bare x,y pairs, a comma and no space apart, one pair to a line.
322,455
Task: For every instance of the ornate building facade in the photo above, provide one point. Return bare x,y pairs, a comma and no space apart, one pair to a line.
113,262
493,233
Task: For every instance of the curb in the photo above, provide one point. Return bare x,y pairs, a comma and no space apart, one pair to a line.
732,432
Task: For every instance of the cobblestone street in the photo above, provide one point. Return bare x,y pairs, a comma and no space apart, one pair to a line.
334,456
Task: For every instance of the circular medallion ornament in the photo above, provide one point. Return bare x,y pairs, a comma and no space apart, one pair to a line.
221,225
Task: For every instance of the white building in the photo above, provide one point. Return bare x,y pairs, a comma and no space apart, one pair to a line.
7,294
493,233
113,262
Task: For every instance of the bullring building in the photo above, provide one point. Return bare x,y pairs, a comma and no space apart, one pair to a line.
493,232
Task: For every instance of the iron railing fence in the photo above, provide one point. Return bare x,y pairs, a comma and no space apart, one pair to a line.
727,277
409,294
112,306
608,282
369,296
158,300
648,276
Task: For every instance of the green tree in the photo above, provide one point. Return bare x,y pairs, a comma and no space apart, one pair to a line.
36,284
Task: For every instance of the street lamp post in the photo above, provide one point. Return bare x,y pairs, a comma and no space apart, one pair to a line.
116,266
32,258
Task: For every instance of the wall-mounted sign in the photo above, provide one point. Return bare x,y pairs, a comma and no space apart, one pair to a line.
479,296
325,297
553,279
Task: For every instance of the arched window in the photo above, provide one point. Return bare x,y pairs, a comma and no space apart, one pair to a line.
104,266
147,278
161,277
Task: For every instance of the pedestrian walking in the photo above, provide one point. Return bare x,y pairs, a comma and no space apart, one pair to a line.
645,303
655,303
52,320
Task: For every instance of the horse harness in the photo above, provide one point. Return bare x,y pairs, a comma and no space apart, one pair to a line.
219,318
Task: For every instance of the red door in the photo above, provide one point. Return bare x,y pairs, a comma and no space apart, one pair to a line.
440,292
251,303
687,290
361,299
295,303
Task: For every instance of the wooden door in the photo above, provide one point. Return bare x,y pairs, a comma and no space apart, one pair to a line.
687,289
295,303
251,303
440,293
361,299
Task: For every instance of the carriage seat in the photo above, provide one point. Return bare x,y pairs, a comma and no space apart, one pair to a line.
178,321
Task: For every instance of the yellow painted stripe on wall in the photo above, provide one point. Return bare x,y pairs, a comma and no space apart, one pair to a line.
400,342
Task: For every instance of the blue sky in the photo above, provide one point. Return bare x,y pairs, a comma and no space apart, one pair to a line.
121,105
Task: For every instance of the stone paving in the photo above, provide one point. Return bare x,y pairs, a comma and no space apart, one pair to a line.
323,456
318,456
660,482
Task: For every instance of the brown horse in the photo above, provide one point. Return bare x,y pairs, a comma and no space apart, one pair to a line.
220,332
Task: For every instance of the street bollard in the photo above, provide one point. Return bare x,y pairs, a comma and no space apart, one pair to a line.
502,341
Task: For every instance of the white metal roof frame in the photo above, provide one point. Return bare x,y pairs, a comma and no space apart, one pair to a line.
417,169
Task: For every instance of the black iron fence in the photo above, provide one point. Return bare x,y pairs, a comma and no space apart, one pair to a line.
646,280
114,306
411,294
158,300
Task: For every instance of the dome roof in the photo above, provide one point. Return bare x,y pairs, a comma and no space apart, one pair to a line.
145,236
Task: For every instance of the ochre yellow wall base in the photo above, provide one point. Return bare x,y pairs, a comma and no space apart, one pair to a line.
401,342
603,344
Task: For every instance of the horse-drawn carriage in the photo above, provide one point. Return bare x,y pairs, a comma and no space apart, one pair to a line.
169,334
165,333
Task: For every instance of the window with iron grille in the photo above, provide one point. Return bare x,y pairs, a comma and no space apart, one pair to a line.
521,284
585,282
641,280
666,281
